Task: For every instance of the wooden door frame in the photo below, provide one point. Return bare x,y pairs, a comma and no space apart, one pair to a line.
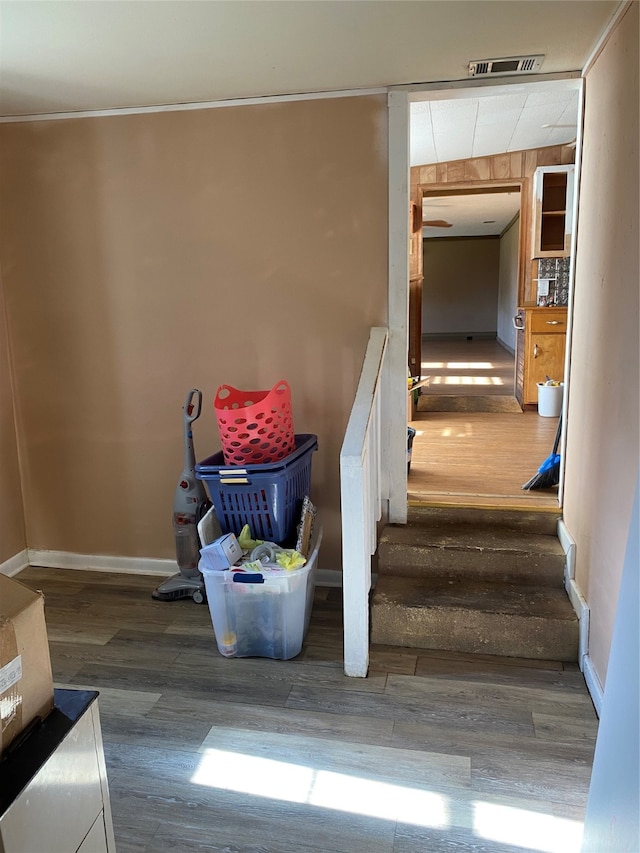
520,185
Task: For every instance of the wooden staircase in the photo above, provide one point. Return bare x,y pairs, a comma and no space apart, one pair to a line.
476,581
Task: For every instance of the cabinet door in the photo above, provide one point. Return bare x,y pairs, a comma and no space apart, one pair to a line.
552,212
545,358
96,839
57,809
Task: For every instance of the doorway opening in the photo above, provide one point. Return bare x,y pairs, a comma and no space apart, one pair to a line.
475,443
470,252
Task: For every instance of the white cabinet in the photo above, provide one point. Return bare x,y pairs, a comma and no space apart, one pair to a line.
55,796
552,211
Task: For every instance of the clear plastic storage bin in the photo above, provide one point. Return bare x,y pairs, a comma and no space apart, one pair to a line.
268,618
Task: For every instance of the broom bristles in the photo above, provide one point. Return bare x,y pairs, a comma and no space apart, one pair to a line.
545,479
549,472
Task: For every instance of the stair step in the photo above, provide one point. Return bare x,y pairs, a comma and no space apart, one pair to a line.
457,551
474,618
542,521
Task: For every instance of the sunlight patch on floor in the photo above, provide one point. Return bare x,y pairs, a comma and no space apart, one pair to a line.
297,783
469,365
457,365
464,430
524,828
467,380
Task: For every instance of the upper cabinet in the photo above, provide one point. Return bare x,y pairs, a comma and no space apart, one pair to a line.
552,211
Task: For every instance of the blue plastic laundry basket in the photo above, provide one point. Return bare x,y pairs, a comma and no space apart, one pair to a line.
266,497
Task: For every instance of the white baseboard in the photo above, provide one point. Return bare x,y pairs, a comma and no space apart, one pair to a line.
101,563
569,547
505,345
576,598
458,336
593,685
128,565
583,613
15,564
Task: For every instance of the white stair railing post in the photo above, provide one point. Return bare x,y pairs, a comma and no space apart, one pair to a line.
361,503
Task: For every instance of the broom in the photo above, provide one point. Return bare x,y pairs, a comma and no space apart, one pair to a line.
549,472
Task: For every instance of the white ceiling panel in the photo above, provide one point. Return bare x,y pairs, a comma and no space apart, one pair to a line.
423,150
475,215
508,117
553,96
570,113
542,114
486,145
490,109
454,108
480,125
559,136
459,147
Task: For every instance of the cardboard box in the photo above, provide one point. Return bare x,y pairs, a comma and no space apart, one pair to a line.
221,554
26,684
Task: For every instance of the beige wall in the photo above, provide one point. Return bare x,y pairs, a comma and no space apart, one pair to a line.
144,255
460,288
602,443
12,535
508,284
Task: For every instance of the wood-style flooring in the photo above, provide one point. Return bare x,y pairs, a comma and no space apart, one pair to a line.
432,752
475,367
474,458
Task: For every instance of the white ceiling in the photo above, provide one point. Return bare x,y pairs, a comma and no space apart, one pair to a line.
480,214
494,123
70,55
61,56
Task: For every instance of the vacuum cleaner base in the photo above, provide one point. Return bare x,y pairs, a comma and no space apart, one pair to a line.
178,586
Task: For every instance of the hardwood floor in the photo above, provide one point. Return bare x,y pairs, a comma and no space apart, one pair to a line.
470,458
432,752
475,367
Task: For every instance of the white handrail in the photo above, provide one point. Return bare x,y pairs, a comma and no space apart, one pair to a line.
361,502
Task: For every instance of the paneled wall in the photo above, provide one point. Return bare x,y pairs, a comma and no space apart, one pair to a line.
480,172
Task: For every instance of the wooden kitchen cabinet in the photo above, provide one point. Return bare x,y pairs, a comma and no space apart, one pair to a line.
540,350
552,211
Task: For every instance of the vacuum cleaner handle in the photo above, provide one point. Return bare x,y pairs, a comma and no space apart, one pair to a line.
190,413
191,410
556,443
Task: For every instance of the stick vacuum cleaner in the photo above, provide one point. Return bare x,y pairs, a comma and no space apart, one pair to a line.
189,505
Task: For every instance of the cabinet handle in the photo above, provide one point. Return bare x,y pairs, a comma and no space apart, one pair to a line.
535,351
517,322
554,322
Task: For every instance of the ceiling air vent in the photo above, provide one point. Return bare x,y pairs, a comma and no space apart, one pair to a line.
506,65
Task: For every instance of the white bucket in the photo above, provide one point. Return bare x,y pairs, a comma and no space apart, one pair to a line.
550,400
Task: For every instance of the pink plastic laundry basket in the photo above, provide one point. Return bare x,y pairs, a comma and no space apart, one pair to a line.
256,427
